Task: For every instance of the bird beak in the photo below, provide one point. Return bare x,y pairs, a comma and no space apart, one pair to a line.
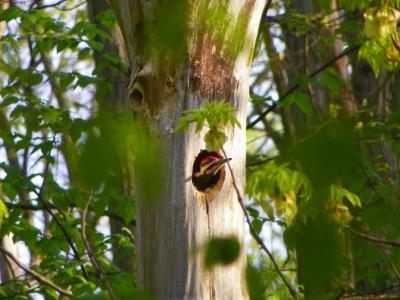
217,165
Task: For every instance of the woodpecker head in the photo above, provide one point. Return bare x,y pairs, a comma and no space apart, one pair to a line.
208,170
210,165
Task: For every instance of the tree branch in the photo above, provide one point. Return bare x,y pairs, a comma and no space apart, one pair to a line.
91,254
106,213
372,238
49,5
37,276
297,85
63,230
386,293
253,232
67,146
392,265
261,161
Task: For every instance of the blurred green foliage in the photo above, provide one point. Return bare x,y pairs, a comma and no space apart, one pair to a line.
42,134
323,173
222,251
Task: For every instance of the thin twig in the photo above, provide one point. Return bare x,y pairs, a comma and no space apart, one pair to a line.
50,5
71,8
91,254
32,207
372,238
253,232
10,267
267,7
63,230
392,265
385,293
297,85
37,276
261,162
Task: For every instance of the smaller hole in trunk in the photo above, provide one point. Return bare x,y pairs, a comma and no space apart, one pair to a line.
137,96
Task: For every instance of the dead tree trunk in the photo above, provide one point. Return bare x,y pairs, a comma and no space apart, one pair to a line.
183,54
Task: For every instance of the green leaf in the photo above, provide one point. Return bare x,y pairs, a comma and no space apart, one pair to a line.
215,140
9,100
126,209
6,68
84,81
267,208
339,194
29,77
51,115
50,293
66,79
380,22
9,191
260,100
303,80
11,13
355,4
254,283
107,18
257,225
302,101
45,45
325,5
84,53
252,212
332,81
379,55
95,45
3,211
63,44
217,115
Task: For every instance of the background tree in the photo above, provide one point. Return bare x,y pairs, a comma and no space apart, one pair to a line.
336,173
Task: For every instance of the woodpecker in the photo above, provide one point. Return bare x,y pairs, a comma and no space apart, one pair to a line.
207,169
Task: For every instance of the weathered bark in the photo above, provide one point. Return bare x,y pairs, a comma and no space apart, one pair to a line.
206,57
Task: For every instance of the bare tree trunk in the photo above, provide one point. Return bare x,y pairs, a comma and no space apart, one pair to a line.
202,53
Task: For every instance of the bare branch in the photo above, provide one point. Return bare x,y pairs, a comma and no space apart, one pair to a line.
386,293
64,231
33,207
91,254
49,5
373,239
37,276
392,265
297,85
253,232
261,161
